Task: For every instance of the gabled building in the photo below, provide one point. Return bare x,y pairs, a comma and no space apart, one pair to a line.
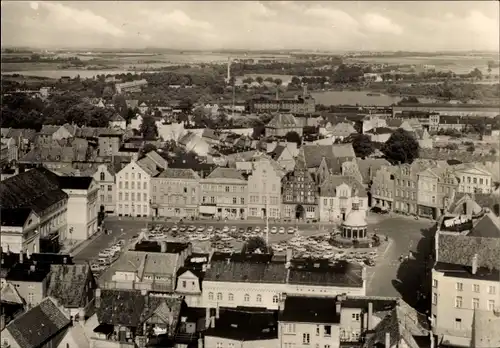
224,194
323,160
406,186
281,124
117,121
104,176
175,193
33,207
190,278
283,155
73,287
337,194
264,189
466,274
129,318
50,320
382,188
299,194
473,178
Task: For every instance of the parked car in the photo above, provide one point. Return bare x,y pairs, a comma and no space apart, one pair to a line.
282,230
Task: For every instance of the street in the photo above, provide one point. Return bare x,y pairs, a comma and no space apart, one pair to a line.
389,277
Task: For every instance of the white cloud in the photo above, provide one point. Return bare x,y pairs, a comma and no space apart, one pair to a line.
175,18
335,18
34,5
257,8
380,24
65,18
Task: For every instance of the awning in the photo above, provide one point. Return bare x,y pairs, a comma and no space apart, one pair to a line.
204,209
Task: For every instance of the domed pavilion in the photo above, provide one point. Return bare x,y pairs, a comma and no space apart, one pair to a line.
355,227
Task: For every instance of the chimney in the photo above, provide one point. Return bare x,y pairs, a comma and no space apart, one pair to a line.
28,256
338,306
97,298
65,260
146,296
387,340
474,264
217,312
32,268
2,321
369,324
212,322
21,257
8,249
163,246
200,342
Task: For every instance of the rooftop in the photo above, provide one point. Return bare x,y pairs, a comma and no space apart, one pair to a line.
243,324
37,326
282,121
225,173
323,273
318,310
179,173
67,284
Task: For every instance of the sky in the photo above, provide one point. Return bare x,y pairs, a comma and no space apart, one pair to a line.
254,25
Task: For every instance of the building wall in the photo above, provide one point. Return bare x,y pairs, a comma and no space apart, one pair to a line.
188,285
323,290
269,294
332,208
444,304
175,197
107,189
282,131
133,191
382,189
32,292
229,196
294,334
7,338
472,180
405,189
82,213
380,138
264,191
427,189
109,145
61,133
220,342
16,239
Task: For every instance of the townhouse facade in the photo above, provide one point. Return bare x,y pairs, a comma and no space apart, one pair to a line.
105,178
224,194
264,190
382,188
337,194
473,179
436,187
299,194
175,193
406,187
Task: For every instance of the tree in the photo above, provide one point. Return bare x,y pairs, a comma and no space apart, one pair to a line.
401,147
186,105
254,244
278,82
147,148
148,128
107,93
493,152
258,131
120,105
293,137
362,145
295,81
259,79
409,100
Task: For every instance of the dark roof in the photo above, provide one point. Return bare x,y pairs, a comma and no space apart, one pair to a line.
38,325
320,272
488,226
245,324
246,271
460,250
67,284
155,247
23,272
37,189
461,271
14,217
380,130
318,310
121,307
380,304
75,182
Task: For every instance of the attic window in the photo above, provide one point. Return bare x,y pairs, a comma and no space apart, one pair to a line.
234,325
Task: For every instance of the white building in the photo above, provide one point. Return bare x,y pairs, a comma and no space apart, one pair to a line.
264,189
105,178
473,178
82,205
133,185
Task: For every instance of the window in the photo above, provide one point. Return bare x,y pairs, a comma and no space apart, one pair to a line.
459,286
275,299
132,185
491,290
458,302
227,188
259,298
476,287
458,324
230,297
242,201
355,316
219,345
219,296
184,284
211,296
327,346
327,331
31,298
110,188
306,338
234,200
491,305
475,303
230,345
434,298
247,298
317,330
434,283
102,176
